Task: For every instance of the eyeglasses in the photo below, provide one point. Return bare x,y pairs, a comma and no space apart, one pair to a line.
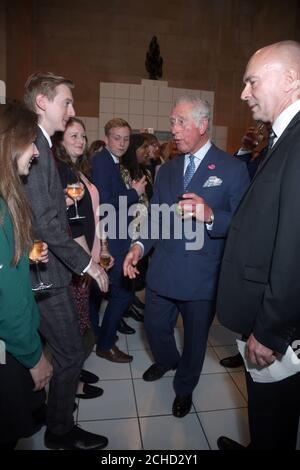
181,122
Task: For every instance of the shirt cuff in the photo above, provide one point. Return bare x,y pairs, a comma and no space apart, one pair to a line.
142,247
243,152
209,226
87,268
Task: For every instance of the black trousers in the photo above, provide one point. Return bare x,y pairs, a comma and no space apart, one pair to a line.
274,410
19,404
60,328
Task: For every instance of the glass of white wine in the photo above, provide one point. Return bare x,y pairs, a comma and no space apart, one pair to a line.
74,191
105,256
34,255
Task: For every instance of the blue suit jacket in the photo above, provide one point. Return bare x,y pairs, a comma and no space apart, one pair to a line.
108,180
192,275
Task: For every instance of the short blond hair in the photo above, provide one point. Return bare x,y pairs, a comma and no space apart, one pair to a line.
114,123
44,83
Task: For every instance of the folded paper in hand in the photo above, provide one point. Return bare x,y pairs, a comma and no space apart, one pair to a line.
287,365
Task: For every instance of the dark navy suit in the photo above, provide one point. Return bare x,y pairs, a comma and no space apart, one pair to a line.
108,180
184,280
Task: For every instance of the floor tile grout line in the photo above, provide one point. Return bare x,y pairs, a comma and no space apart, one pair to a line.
203,430
242,393
196,412
136,405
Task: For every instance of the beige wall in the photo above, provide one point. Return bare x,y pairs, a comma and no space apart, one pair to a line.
205,45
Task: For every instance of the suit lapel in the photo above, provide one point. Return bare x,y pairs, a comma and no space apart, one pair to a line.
176,177
203,171
201,174
282,138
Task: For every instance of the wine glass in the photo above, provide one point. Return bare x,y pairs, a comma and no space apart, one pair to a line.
105,256
34,257
74,191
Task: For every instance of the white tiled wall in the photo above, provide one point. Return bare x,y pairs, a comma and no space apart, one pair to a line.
92,127
145,105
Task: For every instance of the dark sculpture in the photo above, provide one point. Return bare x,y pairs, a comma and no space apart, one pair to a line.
154,61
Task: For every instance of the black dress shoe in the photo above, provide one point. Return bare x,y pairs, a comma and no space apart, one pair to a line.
182,405
232,361
125,329
155,372
76,439
88,377
225,443
134,313
90,391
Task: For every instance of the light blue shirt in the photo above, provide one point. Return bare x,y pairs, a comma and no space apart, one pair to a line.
199,155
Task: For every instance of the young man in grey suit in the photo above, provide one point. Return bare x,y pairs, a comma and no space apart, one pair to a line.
179,278
50,96
259,287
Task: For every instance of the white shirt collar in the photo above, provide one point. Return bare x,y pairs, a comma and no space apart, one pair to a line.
115,159
199,155
46,135
284,118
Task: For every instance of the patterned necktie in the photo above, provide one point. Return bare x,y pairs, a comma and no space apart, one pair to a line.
189,172
271,138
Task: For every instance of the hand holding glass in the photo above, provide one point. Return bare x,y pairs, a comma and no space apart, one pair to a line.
74,191
34,256
105,256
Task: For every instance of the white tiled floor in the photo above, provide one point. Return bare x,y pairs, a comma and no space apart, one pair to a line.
135,414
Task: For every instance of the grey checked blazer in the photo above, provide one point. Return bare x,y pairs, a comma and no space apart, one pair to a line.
47,201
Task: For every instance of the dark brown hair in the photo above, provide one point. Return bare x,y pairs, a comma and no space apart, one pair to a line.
129,159
18,128
96,146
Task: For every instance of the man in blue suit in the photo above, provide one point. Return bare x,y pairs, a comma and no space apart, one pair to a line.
108,180
180,279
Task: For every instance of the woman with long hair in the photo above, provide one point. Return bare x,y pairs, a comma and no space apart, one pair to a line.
73,163
24,370
134,165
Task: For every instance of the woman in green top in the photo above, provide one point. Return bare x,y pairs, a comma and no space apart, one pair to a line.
24,370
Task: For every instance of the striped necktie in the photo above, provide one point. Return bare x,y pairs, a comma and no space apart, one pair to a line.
189,172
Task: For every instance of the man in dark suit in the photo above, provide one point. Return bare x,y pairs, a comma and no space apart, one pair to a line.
259,287
182,277
50,96
249,154
108,180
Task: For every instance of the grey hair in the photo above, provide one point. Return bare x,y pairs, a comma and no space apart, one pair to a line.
200,108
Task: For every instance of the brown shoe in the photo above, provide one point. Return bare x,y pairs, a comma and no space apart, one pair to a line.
114,355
